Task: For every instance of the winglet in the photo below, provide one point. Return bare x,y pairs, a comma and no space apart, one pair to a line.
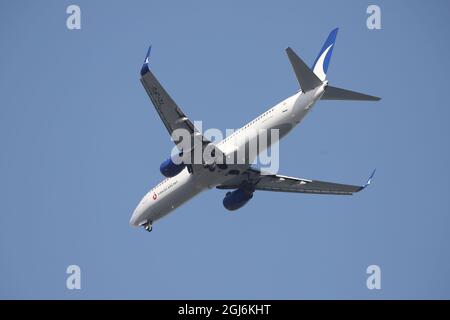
144,68
369,180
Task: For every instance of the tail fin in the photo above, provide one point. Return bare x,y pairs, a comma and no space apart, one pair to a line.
320,66
306,78
311,79
333,93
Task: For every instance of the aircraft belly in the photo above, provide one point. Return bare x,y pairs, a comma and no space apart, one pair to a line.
185,189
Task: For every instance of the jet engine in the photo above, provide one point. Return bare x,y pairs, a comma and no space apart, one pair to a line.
238,198
170,169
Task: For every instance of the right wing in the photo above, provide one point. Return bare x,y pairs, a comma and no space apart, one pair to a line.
273,182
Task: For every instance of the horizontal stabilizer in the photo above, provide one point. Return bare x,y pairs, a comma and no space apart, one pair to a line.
305,76
333,93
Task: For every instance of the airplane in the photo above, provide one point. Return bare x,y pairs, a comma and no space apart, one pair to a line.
184,180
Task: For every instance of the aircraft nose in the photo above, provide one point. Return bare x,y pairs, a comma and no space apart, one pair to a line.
134,221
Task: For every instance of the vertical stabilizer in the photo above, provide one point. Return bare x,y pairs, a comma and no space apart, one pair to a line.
320,66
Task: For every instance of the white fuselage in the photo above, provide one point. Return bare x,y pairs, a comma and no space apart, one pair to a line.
173,192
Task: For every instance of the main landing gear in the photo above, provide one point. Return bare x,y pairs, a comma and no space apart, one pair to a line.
211,167
148,226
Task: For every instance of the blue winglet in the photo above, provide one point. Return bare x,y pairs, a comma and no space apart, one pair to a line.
369,180
144,68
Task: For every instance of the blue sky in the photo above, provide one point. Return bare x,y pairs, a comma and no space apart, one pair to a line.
81,144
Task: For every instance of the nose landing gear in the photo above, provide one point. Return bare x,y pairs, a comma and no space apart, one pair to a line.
148,226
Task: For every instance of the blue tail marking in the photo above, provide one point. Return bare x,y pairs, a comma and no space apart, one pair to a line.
329,43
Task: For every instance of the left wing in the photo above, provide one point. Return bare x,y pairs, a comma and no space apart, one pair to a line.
272,182
171,115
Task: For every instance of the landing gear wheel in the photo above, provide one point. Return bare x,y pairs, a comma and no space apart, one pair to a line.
211,166
148,226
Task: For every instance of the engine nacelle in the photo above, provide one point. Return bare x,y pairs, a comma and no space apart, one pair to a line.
237,198
170,169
